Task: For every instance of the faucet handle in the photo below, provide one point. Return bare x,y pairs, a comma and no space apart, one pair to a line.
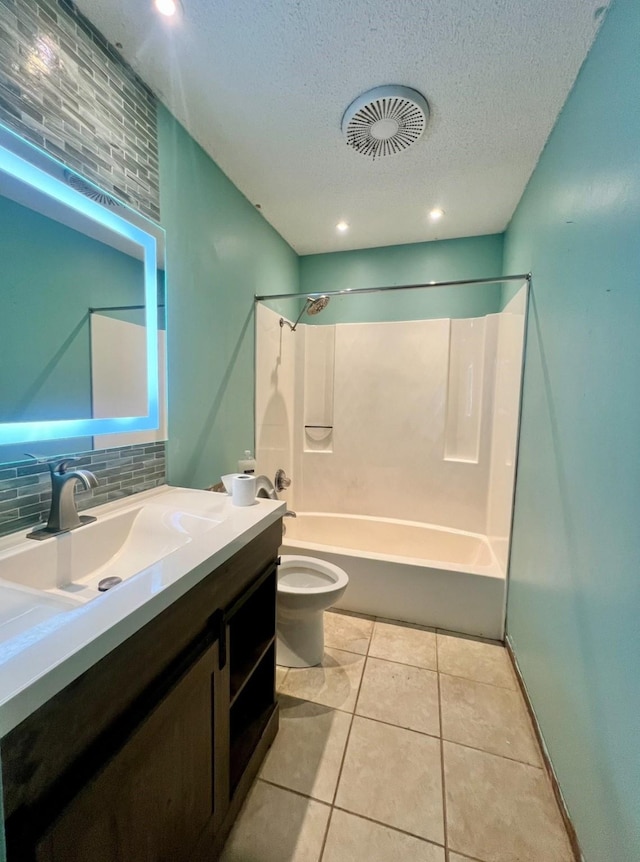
281,481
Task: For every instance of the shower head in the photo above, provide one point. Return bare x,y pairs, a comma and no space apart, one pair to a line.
315,306
312,306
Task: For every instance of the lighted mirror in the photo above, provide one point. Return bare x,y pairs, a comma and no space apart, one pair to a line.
82,306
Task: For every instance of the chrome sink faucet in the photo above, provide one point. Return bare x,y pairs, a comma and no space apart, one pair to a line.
63,515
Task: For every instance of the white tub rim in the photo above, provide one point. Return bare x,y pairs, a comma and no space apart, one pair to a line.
492,570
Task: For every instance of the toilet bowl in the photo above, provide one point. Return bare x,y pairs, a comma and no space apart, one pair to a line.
307,586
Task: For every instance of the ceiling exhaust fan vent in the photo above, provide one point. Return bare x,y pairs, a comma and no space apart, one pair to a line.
385,121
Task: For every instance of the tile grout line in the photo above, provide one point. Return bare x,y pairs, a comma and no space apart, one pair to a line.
295,792
479,681
389,826
344,753
470,858
412,729
402,663
333,806
442,776
346,744
326,833
435,632
353,715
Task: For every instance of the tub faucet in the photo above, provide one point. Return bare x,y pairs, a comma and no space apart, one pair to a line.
63,514
288,514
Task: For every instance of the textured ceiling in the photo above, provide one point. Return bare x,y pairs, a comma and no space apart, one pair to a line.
262,85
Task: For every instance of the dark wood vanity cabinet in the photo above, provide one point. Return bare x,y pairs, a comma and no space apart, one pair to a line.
148,755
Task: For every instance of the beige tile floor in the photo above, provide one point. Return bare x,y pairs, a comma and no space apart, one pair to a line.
406,745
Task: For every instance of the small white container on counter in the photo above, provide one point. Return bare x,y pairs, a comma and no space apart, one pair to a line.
247,464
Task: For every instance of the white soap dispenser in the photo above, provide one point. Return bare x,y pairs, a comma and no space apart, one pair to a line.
247,464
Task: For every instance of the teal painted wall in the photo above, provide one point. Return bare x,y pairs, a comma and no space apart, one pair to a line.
220,251
416,263
574,600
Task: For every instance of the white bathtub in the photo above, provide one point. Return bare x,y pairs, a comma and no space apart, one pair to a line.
408,571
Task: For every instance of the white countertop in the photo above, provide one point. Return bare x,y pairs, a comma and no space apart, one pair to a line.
39,662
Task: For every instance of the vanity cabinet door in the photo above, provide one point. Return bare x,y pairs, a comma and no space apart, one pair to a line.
155,795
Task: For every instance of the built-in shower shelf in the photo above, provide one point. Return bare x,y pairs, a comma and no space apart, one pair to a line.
318,438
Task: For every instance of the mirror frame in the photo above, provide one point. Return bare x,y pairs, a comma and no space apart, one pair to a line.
42,172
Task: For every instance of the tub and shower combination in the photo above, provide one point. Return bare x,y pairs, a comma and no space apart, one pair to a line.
418,573
425,538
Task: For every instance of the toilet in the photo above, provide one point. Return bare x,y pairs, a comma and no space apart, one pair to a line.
307,586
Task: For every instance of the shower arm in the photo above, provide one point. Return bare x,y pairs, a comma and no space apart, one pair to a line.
283,321
312,307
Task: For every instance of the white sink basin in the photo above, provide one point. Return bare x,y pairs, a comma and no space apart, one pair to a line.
22,609
68,568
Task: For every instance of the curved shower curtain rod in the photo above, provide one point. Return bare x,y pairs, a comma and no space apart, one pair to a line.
348,291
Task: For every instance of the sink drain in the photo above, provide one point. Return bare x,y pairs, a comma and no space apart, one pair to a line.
106,583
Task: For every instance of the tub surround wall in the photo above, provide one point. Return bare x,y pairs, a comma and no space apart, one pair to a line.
387,392
389,429
469,340
575,591
505,419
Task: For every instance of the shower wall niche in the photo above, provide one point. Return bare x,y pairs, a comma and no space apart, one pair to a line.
411,420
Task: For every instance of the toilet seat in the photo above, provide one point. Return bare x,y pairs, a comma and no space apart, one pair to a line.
298,574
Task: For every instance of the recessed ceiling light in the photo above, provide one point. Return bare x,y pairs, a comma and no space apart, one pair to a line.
342,226
166,7
436,214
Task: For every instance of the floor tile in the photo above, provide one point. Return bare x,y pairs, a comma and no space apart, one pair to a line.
334,683
404,643
400,694
344,631
281,673
488,717
499,810
275,825
481,660
356,840
307,752
393,775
